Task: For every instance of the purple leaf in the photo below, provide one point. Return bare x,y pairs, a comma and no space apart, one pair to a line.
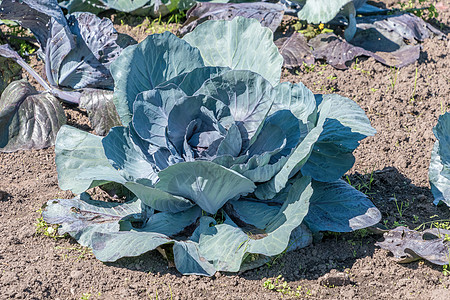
268,14
295,50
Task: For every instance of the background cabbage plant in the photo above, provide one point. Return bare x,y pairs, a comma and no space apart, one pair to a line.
227,166
439,171
323,11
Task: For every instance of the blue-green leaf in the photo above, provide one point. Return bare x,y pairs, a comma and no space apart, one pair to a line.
321,11
112,246
297,98
158,199
127,157
439,171
81,162
337,206
192,81
440,185
301,237
241,44
189,261
226,245
345,125
289,217
232,143
142,67
442,133
172,224
207,184
291,166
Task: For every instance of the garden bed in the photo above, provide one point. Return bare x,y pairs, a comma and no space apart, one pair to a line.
391,168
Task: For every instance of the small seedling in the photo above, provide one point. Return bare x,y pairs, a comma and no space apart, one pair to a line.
415,85
85,296
446,270
393,77
331,77
308,68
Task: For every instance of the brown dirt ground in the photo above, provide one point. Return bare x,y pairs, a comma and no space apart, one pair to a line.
33,266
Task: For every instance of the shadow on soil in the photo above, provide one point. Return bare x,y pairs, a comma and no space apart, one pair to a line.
400,203
4,196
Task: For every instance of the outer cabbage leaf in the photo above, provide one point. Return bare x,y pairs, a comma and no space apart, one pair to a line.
189,261
109,229
345,125
28,119
337,206
298,99
82,164
81,216
142,67
97,46
227,244
441,131
126,157
440,185
192,81
258,53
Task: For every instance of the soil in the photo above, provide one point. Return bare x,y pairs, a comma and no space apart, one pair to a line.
390,167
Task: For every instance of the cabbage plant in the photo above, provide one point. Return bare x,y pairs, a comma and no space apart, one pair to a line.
78,50
323,11
226,166
439,171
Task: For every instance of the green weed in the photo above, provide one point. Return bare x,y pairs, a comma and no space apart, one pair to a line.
429,11
43,228
364,185
279,285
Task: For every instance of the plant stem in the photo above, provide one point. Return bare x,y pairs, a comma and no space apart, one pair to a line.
69,97
415,85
